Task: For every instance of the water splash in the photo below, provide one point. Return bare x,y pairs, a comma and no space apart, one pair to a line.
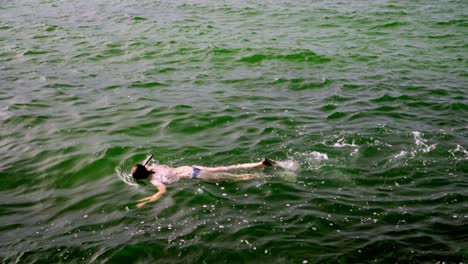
459,149
289,176
290,165
341,143
125,177
421,144
313,160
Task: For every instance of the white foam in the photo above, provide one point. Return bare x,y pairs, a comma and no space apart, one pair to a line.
310,160
421,143
340,144
401,154
289,165
319,156
417,138
459,149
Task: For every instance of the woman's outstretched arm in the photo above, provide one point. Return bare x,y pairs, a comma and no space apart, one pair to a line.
161,190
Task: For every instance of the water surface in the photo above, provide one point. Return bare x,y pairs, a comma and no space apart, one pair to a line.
369,97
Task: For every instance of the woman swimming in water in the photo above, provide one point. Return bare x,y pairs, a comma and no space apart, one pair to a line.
163,174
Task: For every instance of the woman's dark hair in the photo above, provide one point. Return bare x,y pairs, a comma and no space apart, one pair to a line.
140,172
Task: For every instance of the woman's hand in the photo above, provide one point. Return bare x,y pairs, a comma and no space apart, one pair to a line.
148,199
161,190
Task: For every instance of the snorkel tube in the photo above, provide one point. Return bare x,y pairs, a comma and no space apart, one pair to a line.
147,159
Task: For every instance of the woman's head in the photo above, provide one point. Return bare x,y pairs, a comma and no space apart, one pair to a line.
139,172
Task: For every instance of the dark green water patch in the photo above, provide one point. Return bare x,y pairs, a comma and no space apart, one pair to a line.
456,22
52,28
309,85
391,25
35,52
6,27
40,36
390,98
137,18
63,85
328,107
337,115
301,56
145,84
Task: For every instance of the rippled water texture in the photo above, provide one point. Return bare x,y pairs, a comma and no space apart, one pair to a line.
369,98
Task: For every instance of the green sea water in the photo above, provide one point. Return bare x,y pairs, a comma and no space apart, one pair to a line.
369,98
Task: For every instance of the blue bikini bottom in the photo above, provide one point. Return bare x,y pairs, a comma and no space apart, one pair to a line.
195,173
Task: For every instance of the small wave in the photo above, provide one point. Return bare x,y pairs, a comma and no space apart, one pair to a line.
457,22
304,56
390,98
300,56
451,106
444,36
391,25
137,18
310,85
218,51
62,85
336,115
254,58
35,52
145,84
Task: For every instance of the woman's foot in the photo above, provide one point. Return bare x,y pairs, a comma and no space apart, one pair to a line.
268,162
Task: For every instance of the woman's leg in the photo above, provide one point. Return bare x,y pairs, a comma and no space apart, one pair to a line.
227,176
233,167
